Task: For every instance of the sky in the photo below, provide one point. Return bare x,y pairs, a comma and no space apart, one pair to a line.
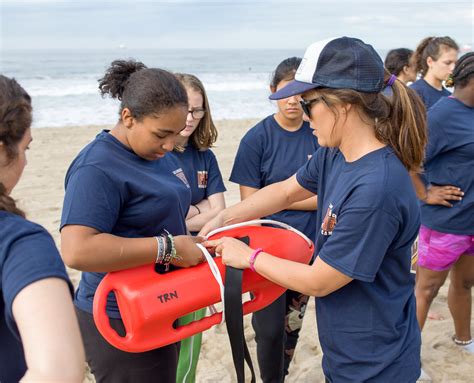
227,24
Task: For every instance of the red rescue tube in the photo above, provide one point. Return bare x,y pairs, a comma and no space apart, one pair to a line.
150,303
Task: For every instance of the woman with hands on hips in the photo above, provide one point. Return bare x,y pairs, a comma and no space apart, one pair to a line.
367,217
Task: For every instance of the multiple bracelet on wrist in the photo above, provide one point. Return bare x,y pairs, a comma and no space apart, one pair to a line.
165,253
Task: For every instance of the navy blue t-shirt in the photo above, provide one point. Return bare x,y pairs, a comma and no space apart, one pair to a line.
368,219
111,189
27,255
450,161
428,94
202,172
268,154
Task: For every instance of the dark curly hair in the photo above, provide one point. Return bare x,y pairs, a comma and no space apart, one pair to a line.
15,120
463,71
144,91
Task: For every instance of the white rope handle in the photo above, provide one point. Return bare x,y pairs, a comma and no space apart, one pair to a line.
212,264
216,273
260,221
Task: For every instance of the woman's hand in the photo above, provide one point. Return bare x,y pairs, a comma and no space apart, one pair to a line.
216,222
441,195
234,253
186,248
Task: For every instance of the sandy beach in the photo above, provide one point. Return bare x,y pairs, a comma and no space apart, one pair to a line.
41,191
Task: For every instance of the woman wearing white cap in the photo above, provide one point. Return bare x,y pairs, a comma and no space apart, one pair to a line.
367,218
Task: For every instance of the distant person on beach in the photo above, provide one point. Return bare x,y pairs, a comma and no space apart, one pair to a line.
367,218
434,60
270,152
399,62
447,232
123,195
207,194
40,339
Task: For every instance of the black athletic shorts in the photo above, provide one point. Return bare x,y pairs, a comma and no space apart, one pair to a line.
109,364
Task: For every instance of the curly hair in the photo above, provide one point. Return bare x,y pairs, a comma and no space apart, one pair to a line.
144,91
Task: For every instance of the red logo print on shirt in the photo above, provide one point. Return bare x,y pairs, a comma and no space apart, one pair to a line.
202,177
329,222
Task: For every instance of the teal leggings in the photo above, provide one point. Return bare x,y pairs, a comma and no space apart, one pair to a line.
189,352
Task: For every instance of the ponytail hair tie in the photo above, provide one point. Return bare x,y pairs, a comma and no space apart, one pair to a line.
391,80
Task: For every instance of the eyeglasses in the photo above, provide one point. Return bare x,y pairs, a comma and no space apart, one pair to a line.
306,104
197,113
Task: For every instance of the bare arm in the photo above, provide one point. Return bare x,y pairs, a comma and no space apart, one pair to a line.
436,195
307,204
209,208
84,248
49,331
319,279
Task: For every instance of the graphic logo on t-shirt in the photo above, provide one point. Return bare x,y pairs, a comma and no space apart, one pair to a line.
414,256
202,177
180,174
329,221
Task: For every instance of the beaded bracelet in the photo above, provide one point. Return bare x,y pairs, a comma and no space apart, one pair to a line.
461,342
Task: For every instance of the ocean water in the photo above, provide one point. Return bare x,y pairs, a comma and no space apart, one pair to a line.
64,88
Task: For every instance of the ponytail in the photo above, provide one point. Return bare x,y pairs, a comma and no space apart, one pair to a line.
8,204
405,128
144,91
400,121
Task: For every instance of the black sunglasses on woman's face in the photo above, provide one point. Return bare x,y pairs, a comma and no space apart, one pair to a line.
306,104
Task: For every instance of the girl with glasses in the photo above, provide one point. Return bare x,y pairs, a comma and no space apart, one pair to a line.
207,194
367,218
123,193
40,338
270,152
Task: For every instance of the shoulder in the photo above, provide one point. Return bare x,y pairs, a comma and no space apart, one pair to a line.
381,181
418,84
15,230
260,130
13,226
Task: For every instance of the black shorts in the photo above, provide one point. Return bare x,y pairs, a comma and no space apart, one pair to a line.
109,364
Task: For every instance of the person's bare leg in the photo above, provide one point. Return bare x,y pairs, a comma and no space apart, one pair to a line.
427,286
459,296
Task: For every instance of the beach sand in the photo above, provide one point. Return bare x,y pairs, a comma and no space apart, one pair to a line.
41,190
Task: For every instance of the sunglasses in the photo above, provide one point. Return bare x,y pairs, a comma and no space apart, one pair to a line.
306,104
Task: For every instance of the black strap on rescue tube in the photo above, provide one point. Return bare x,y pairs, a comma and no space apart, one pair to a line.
234,320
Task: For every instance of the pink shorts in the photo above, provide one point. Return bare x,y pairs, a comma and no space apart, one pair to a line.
439,251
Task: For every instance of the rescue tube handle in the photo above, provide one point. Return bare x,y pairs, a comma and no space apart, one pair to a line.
261,221
101,318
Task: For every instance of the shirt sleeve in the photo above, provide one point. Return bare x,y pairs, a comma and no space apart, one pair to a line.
214,183
308,175
30,258
92,199
359,242
247,166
